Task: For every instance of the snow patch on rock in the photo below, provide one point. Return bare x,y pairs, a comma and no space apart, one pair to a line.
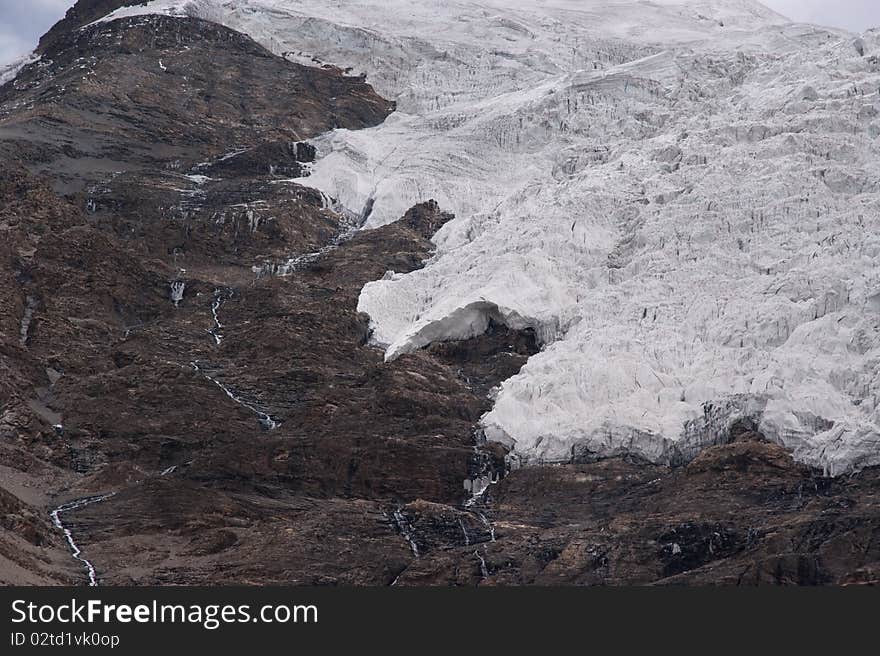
8,72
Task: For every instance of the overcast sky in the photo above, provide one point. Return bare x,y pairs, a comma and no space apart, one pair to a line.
22,22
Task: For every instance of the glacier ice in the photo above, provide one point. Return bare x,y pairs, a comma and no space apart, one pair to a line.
680,197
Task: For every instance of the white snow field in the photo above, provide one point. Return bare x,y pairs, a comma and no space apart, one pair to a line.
682,198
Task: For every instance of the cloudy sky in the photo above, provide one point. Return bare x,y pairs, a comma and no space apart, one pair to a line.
23,21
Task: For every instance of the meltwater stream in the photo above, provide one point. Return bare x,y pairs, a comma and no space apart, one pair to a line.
220,297
351,225
405,530
74,548
266,421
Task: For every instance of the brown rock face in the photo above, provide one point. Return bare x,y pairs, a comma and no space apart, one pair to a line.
740,514
179,332
164,93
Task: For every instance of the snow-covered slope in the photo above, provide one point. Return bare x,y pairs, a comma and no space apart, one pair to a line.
10,70
681,197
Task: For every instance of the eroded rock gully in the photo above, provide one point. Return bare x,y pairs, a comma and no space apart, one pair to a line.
146,180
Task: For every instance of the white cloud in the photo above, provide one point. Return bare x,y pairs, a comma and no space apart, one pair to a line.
22,24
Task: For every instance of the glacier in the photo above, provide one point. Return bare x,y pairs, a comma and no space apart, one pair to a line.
682,198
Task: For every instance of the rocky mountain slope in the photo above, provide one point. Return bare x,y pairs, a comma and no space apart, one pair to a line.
241,345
